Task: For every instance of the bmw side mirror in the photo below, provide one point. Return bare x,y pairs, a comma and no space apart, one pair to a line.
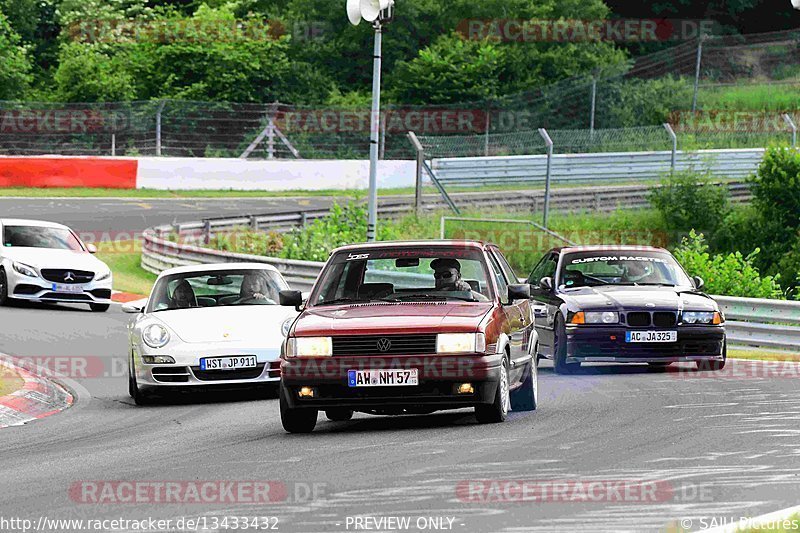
698,283
519,292
291,298
91,248
546,283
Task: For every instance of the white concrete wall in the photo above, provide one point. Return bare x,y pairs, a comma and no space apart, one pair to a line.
277,175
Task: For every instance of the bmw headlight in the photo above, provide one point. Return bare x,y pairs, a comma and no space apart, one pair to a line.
309,347
103,275
25,270
601,317
702,317
155,335
460,343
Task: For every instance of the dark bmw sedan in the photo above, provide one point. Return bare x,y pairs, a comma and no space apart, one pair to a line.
623,304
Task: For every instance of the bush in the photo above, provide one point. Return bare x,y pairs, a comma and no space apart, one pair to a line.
727,275
246,241
776,187
344,225
690,200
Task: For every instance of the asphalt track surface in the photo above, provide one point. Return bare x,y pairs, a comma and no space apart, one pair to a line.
718,447
724,447
108,217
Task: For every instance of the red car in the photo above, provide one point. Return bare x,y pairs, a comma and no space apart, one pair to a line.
409,328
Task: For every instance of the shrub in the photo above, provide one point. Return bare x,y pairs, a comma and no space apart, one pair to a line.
344,225
690,200
246,241
776,187
726,274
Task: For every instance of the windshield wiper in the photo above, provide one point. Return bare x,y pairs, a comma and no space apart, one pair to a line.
434,297
345,301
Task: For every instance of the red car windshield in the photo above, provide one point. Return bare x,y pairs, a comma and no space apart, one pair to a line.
404,274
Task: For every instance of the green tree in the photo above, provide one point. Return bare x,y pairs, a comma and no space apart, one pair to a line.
86,74
15,72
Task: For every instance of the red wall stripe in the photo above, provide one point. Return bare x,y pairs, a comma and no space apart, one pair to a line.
68,172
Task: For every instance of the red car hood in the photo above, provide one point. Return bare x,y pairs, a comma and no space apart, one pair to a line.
391,318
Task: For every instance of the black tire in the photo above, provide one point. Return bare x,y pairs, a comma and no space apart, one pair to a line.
526,396
657,367
497,411
139,397
714,366
560,349
339,415
3,287
296,420
99,308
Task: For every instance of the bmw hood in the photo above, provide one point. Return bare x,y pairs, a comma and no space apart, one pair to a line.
256,324
40,258
619,298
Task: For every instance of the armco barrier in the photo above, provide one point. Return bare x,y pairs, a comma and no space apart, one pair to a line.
750,322
598,167
762,323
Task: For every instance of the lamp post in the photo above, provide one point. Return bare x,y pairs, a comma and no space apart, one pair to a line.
377,12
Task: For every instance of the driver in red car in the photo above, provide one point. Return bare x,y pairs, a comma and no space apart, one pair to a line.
447,273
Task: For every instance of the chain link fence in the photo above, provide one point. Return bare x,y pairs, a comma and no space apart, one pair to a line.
697,86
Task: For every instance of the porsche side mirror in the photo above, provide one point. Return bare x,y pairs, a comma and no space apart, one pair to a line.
91,248
698,283
519,292
134,307
546,283
291,298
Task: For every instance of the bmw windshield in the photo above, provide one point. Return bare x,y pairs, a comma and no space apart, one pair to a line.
608,267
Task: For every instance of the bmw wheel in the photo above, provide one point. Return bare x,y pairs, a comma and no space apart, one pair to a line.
560,349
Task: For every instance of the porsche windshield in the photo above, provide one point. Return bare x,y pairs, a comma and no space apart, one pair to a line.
585,269
217,288
407,274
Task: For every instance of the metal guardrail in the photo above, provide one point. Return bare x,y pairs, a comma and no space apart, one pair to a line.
593,167
750,322
762,323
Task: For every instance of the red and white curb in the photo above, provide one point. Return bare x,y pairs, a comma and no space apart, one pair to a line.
38,398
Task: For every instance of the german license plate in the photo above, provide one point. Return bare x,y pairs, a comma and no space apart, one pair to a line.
383,378
65,287
651,336
228,363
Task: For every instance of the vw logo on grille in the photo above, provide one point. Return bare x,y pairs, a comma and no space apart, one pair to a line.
384,345
69,276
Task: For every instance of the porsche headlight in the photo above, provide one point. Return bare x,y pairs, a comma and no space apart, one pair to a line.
601,317
155,335
287,324
460,343
309,347
25,270
103,275
158,359
702,317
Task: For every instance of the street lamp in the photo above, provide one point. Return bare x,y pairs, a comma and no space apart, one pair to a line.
377,12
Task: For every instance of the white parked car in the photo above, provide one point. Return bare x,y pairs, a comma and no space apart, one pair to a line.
208,326
47,262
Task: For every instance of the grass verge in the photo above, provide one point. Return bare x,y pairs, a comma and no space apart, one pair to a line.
9,381
124,260
762,355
